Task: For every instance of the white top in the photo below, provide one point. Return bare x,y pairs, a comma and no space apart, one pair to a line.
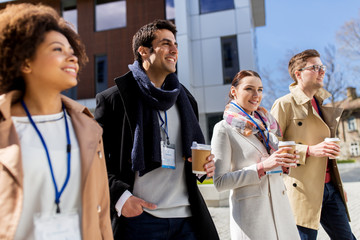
39,191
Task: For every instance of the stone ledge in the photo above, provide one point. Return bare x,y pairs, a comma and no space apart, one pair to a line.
212,197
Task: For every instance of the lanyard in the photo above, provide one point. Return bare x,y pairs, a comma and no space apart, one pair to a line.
68,150
165,129
318,107
266,140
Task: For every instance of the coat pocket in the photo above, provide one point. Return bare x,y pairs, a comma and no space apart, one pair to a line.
247,192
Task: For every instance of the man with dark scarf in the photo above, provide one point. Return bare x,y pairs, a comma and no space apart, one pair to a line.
147,114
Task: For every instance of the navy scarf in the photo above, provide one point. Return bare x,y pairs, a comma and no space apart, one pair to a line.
146,152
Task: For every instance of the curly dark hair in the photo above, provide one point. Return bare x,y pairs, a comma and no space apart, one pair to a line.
22,29
146,34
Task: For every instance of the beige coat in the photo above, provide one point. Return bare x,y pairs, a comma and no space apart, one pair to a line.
95,194
259,208
300,122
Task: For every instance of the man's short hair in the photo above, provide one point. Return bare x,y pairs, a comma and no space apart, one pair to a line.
146,34
299,61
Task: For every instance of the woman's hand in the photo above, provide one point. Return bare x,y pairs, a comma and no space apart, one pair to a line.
281,158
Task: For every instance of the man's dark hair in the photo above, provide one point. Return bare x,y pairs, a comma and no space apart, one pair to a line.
146,34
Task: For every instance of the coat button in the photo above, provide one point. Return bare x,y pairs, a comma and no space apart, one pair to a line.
98,208
283,192
100,154
294,184
299,123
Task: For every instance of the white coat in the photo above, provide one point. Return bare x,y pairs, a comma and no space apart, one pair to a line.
259,208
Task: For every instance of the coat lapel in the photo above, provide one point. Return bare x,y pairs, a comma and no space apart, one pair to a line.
10,153
257,144
87,132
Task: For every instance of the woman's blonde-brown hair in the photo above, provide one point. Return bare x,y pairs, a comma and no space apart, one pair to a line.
22,28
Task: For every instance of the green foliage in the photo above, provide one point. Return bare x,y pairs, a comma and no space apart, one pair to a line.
346,161
207,181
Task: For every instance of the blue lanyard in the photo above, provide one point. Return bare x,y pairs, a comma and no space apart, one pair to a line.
266,140
68,150
165,129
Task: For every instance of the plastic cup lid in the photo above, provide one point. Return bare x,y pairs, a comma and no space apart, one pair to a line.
286,143
332,139
198,146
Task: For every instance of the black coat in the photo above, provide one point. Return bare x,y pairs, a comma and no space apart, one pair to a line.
115,112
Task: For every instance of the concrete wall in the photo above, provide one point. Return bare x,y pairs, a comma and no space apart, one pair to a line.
200,60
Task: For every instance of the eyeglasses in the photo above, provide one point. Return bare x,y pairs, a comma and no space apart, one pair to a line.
315,68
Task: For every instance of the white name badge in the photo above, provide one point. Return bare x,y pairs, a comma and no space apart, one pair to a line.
167,155
62,226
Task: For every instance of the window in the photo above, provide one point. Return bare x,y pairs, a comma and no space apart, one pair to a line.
170,9
230,58
110,14
351,124
71,93
69,12
354,149
207,6
213,119
100,73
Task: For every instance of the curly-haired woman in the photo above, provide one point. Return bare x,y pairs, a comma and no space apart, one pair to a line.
53,182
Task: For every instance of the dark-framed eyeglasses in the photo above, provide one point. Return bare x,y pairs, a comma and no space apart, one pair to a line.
315,68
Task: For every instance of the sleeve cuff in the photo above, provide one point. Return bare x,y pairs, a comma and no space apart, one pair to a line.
260,169
302,149
120,203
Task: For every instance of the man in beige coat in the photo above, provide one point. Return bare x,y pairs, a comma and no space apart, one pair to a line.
315,189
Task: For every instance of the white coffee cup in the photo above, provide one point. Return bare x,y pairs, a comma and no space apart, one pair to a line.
335,140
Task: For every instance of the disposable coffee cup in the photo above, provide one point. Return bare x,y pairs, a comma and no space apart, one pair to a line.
292,144
199,154
335,140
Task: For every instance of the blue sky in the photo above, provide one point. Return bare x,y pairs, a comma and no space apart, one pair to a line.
293,24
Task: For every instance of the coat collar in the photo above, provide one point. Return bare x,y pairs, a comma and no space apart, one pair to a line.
87,131
301,98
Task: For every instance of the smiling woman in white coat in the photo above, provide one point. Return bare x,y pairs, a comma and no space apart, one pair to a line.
250,166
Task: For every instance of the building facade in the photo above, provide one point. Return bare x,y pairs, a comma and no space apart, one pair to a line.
348,130
216,40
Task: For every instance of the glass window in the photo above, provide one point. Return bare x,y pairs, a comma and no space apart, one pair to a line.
110,14
207,6
69,12
351,124
71,93
230,58
354,149
213,119
169,9
100,73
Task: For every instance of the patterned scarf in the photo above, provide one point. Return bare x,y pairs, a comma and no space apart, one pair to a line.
243,124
